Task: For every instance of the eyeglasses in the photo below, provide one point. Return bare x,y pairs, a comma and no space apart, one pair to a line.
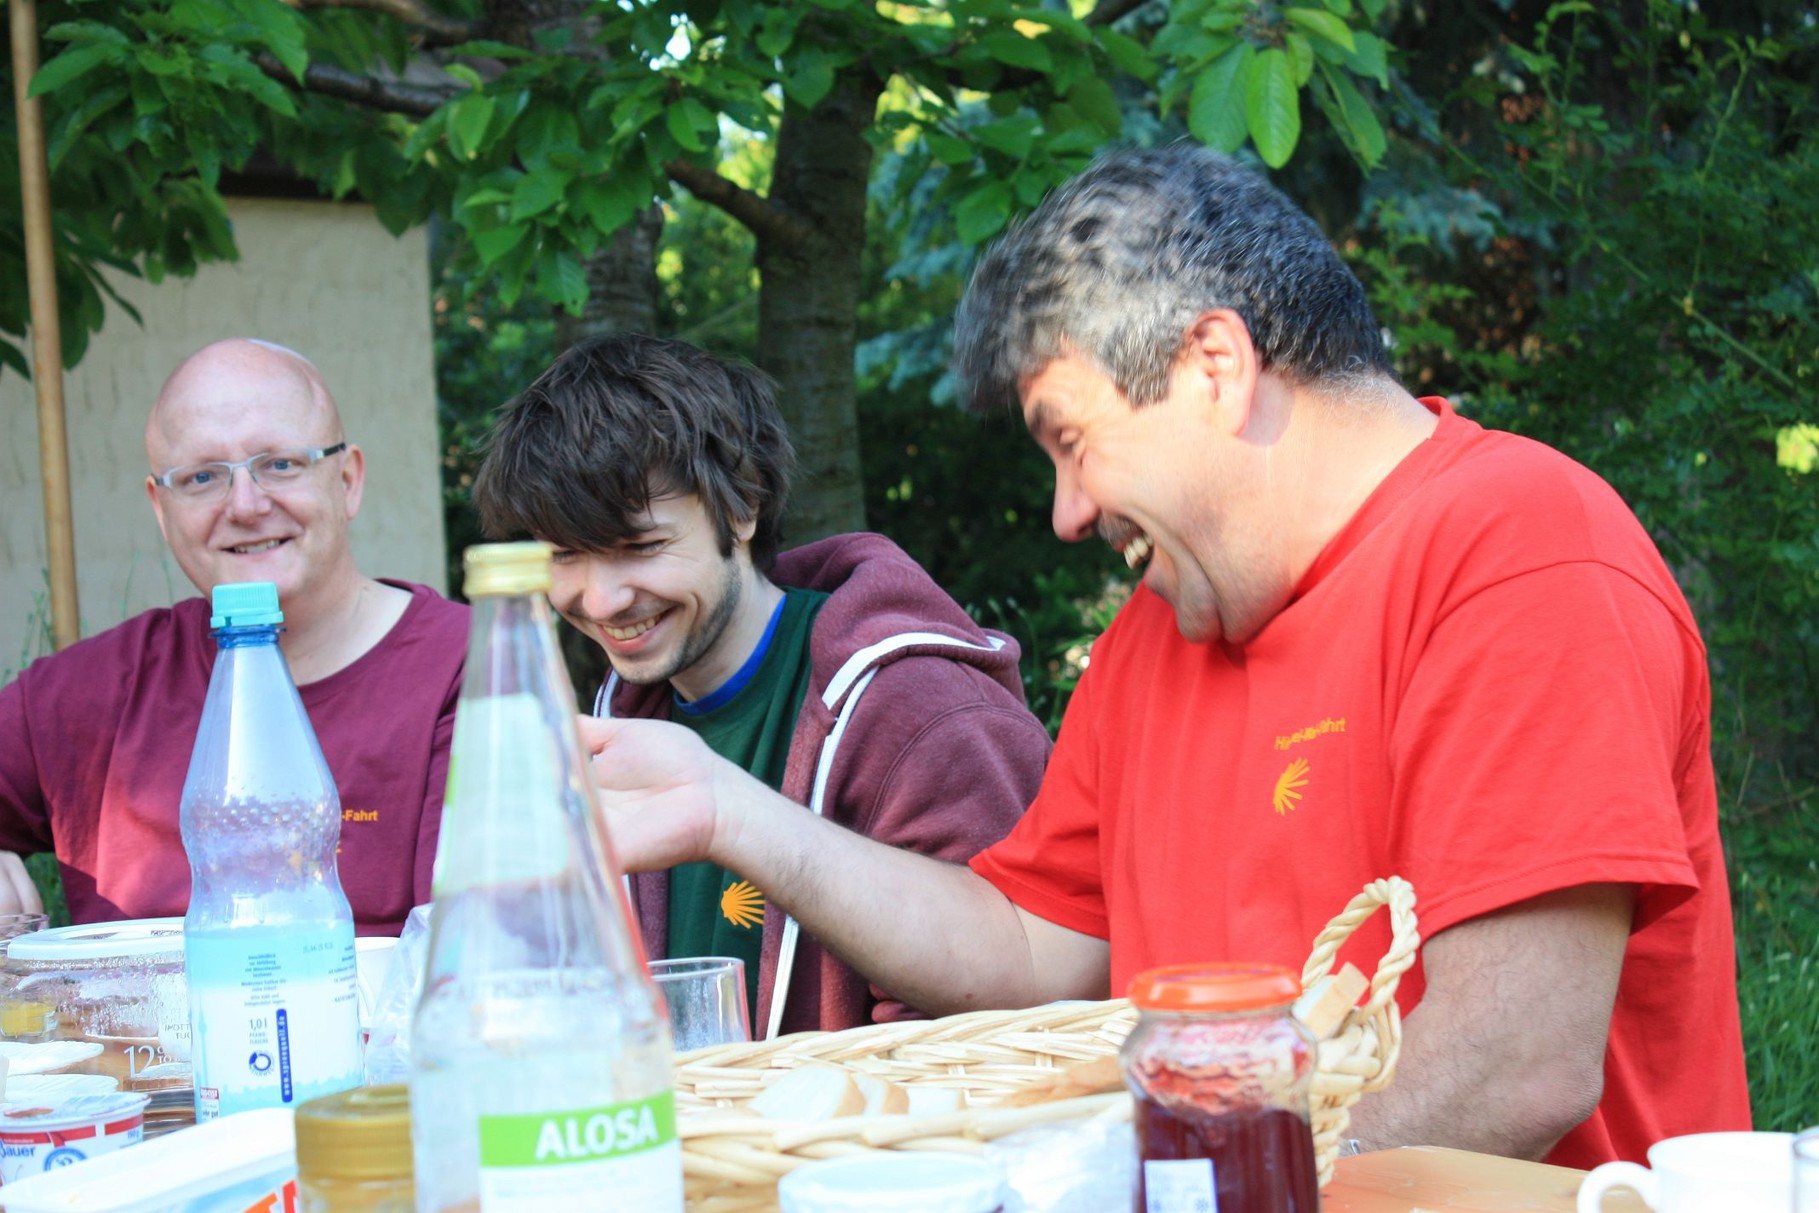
270,470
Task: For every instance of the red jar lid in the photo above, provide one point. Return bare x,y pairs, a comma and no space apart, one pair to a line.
1214,987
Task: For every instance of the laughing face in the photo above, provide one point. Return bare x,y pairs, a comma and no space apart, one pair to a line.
667,606
1166,485
232,401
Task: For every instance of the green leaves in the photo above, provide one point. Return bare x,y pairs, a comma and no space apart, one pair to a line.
536,193
468,120
1012,48
1352,115
1243,69
980,215
1321,24
1216,110
1272,107
692,124
72,65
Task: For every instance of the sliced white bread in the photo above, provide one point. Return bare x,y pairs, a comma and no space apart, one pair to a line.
810,1092
882,1096
1324,1005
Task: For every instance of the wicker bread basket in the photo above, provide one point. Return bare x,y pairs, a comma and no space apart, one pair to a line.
732,1160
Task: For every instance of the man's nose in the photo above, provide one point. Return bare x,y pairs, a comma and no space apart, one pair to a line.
1074,512
597,590
245,497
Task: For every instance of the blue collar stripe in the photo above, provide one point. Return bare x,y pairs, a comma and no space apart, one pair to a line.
723,694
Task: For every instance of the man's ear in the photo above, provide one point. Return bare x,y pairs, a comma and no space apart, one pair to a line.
353,478
1219,353
745,528
151,493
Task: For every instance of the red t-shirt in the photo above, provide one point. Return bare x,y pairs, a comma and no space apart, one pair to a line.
1488,684
95,742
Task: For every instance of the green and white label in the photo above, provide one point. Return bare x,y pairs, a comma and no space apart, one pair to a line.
551,1161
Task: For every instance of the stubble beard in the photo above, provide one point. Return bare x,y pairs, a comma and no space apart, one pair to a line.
705,634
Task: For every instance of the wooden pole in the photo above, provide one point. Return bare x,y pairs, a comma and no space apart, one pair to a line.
47,336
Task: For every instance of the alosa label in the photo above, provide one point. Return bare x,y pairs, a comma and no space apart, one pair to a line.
546,1161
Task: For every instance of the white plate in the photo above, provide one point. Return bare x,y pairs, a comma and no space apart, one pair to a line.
24,1058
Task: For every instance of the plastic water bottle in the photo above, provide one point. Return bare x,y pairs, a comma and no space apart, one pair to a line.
268,942
540,1054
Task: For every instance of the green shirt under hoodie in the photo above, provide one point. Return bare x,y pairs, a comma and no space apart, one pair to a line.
748,721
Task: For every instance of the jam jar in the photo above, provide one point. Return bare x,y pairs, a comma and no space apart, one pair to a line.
1220,1068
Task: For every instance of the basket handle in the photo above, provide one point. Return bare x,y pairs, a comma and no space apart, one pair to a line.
1399,896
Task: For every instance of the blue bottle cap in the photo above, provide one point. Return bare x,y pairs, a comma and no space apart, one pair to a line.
245,604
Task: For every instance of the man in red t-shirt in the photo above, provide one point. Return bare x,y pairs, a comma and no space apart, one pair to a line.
252,478
1371,639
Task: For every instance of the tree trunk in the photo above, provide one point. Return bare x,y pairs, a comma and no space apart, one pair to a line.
622,290
809,297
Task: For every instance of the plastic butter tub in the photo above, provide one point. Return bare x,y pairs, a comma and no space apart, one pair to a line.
35,1138
118,985
239,1164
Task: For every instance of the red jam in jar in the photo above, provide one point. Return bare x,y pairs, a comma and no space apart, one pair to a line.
1220,1069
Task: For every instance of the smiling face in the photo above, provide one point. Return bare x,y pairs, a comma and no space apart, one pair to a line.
666,605
1173,486
230,401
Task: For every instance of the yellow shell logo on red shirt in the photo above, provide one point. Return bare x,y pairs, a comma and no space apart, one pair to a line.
1287,783
742,904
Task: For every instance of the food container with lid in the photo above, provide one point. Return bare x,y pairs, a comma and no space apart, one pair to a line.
116,984
1220,1069
235,1165
35,1138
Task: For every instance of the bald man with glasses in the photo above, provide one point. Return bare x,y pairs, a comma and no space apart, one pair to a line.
251,479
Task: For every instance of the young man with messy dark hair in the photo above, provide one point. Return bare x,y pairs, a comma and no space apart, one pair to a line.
837,673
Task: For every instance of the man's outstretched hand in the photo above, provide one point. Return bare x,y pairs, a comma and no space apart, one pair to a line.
659,788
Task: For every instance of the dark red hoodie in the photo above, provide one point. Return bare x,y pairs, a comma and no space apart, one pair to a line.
914,733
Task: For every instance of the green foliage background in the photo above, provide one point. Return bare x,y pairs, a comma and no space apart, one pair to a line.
1590,224
1597,231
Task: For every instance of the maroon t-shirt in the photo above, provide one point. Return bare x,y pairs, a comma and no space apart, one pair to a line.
95,742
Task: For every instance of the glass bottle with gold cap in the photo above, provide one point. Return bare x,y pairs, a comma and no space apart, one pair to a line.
540,1055
354,1152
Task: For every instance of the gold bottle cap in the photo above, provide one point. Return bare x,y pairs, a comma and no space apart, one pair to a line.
495,570
360,1134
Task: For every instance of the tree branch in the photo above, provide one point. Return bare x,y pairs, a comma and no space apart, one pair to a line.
1104,13
434,28
765,220
392,96
1108,11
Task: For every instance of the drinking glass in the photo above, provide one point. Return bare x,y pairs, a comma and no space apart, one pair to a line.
1806,1171
706,1000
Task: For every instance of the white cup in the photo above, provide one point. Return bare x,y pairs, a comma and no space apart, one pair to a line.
1806,1171
372,961
1702,1172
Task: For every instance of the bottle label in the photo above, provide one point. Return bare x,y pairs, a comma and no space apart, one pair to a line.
276,1017
532,1163
504,799
1179,1185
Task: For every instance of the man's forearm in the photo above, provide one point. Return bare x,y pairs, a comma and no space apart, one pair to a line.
935,934
1505,1053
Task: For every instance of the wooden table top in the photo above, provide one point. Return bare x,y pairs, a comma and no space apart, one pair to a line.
1428,1179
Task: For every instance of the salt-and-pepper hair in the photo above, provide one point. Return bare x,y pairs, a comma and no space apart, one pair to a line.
1117,264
